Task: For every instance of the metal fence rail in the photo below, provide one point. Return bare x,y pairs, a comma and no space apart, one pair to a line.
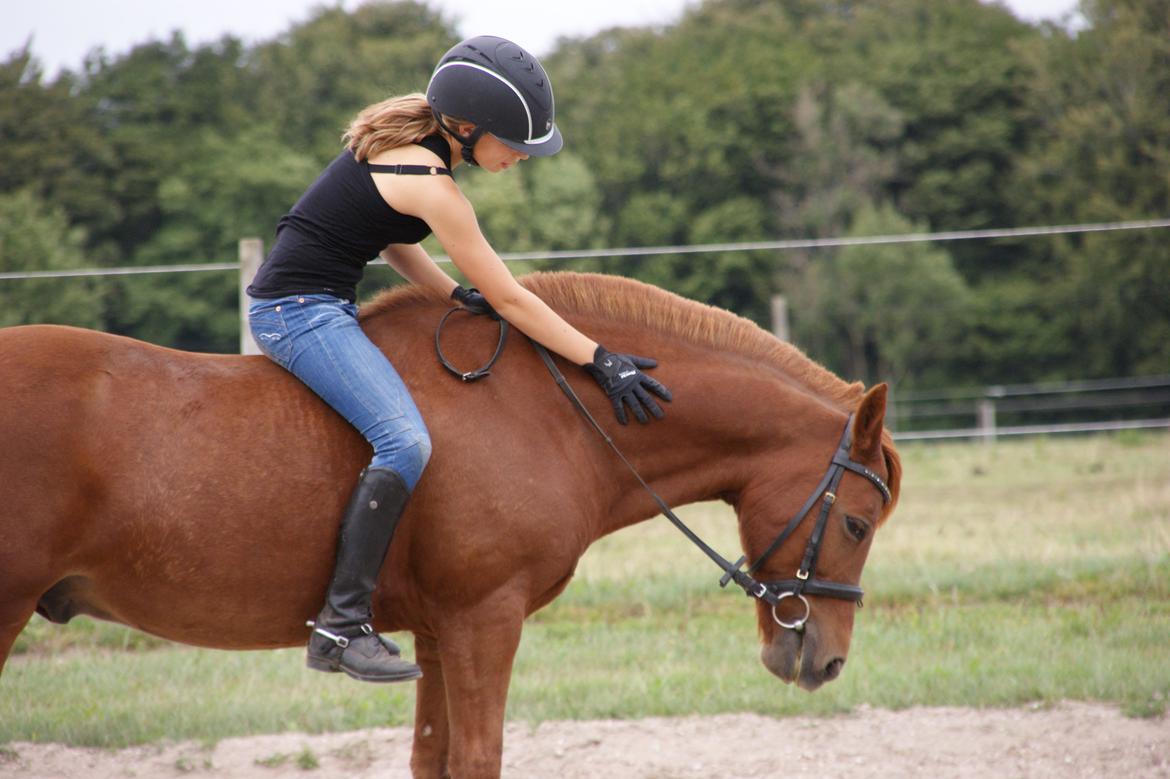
1020,430
1033,409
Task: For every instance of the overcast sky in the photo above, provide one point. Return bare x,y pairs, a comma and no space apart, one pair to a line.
63,32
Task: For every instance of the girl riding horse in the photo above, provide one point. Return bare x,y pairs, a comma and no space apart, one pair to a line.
489,103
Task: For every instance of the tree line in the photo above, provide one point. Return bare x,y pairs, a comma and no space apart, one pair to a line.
746,120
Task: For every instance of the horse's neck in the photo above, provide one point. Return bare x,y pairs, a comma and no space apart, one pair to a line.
728,424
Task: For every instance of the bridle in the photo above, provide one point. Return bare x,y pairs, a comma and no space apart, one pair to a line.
805,583
772,592
775,592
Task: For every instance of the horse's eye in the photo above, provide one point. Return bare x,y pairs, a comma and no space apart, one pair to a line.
856,527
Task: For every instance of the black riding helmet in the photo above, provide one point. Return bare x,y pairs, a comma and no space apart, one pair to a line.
501,89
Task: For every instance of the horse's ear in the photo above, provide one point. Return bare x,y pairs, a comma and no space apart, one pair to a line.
867,424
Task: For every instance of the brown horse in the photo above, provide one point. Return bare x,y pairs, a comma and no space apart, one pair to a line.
196,497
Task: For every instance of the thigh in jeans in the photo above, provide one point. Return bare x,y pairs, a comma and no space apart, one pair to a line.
334,357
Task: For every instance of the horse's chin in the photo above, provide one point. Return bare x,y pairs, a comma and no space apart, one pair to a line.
793,657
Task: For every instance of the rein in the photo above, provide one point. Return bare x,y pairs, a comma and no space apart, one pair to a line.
771,592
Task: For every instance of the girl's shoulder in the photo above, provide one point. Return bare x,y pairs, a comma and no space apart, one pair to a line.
429,151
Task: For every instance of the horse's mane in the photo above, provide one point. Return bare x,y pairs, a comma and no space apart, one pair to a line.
649,308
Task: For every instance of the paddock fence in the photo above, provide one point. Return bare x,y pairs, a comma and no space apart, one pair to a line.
1046,408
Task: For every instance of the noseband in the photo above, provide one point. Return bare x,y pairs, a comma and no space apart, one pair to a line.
773,592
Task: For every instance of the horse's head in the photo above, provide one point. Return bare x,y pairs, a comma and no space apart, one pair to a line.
815,568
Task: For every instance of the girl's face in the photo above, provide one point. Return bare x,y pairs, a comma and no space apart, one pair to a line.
494,156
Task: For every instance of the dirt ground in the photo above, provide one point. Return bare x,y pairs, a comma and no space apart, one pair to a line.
1069,740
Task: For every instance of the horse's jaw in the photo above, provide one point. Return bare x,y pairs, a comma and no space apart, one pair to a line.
794,656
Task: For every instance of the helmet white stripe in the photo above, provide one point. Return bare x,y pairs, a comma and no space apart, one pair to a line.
544,137
511,86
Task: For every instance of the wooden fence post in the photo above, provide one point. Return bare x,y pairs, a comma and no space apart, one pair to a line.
780,317
251,255
985,413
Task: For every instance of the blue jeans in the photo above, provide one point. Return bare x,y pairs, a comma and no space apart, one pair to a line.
318,340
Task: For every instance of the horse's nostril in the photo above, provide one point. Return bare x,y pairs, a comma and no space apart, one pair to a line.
833,669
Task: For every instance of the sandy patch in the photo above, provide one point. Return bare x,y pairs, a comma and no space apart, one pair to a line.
1069,740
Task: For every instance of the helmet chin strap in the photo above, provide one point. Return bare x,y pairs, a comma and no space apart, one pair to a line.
467,141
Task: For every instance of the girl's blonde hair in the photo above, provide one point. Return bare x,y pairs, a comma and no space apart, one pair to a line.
389,124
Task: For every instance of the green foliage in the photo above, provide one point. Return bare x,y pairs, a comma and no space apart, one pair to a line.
843,158
314,79
738,281
1102,153
952,72
194,311
36,236
224,188
50,147
884,311
745,120
550,205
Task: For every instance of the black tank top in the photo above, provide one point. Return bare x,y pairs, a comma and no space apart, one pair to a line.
341,223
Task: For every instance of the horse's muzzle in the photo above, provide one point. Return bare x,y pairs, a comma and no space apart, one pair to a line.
796,657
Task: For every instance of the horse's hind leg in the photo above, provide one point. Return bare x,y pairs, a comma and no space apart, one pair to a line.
428,758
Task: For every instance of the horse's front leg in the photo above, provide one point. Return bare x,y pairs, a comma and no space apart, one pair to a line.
428,758
477,648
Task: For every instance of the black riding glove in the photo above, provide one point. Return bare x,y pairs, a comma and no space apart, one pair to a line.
473,301
621,377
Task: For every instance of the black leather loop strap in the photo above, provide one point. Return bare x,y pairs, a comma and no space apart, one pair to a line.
478,373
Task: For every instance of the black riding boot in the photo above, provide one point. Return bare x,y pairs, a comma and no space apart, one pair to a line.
343,639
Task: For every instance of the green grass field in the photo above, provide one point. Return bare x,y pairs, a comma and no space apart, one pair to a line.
1026,571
